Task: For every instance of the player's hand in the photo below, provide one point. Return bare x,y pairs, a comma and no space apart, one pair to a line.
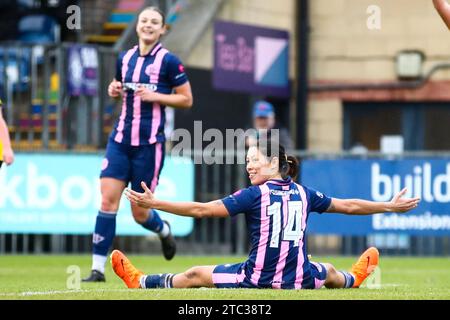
144,200
399,204
115,89
8,156
146,94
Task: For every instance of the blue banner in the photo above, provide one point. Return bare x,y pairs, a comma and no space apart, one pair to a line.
380,180
60,194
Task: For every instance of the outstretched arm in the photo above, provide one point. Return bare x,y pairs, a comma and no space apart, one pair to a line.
187,209
443,8
364,207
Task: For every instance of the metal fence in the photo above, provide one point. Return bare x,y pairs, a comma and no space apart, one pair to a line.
40,111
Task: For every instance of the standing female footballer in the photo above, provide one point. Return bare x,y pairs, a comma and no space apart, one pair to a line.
276,210
148,77
6,152
443,8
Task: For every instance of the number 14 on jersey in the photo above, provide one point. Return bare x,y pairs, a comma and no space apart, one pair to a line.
293,229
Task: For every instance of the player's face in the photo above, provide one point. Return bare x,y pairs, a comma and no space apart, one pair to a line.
259,168
150,26
264,122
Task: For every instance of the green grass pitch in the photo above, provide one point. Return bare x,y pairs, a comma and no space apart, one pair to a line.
47,277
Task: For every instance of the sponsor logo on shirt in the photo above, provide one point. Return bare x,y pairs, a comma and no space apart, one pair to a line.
179,76
132,86
284,192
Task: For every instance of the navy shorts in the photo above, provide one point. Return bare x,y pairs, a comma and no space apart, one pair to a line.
133,164
233,276
319,274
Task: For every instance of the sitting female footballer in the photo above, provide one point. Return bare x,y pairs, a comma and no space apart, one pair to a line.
276,210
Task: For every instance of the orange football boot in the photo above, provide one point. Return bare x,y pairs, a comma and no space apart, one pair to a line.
125,270
365,265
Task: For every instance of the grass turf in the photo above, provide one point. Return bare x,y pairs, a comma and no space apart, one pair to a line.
47,277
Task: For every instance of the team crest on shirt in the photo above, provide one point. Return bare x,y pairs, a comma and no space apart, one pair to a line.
150,70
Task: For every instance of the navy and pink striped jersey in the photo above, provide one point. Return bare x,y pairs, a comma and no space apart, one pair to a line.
277,213
140,122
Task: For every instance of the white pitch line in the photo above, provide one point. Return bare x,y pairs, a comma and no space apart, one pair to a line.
55,292
382,285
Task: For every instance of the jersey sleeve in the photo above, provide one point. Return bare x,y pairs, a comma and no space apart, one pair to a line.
318,202
118,76
241,201
175,71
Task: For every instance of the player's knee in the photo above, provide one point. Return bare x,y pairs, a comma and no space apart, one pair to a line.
109,204
139,219
195,276
140,215
332,280
192,273
331,271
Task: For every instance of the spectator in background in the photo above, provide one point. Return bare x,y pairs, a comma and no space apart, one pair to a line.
443,8
264,119
359,149
6,152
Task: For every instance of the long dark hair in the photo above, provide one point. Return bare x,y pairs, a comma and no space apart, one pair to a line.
287,165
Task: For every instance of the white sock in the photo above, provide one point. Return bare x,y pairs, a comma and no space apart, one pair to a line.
98,262
165,231
142,281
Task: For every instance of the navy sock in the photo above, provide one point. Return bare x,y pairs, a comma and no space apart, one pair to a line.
105,230
154,222
349,279
153,281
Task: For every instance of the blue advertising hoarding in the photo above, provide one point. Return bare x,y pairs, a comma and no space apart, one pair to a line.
379,180
60,194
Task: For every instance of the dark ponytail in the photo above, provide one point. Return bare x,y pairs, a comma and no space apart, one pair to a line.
287,165
293,167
